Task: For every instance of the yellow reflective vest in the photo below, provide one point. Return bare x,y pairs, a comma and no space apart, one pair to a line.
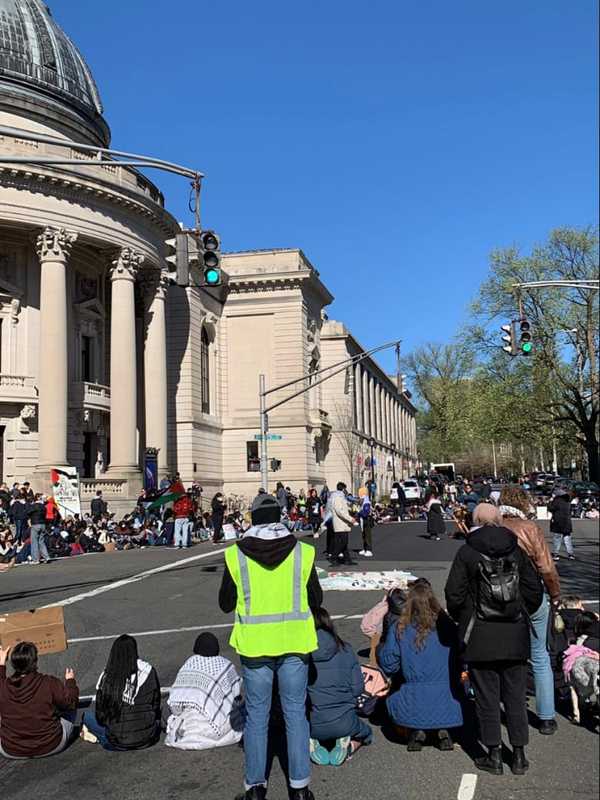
272,616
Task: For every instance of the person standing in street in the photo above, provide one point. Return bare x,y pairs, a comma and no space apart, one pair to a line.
281,495
366,524
514,507
36,514
342,522
271,582
436,526
218,507
98,506
182,508
313,510
561,524
491,589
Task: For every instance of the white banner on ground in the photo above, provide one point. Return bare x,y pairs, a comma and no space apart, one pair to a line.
366,581
65,486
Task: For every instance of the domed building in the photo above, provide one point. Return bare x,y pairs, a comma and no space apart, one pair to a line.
98,361
82,291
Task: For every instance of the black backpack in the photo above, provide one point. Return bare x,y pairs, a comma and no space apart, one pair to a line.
498,591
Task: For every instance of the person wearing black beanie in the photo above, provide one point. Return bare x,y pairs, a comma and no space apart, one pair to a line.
206,645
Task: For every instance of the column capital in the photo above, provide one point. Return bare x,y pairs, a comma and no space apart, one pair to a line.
154,284
54,244
126,264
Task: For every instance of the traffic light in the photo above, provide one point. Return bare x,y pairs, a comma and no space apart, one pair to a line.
525,343
210,247
275,464
510,339
178,257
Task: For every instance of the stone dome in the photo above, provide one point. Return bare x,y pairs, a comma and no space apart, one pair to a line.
40,64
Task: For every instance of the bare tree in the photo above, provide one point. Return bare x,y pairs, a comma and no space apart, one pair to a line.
348,439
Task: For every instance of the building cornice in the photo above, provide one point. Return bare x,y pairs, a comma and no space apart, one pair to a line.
76,188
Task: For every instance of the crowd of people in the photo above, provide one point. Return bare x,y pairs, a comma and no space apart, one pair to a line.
432,663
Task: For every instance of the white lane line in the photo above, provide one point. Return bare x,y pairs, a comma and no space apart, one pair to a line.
190,629
68,601
591,602
466,790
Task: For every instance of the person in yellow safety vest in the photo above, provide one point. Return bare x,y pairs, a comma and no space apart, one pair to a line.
271,583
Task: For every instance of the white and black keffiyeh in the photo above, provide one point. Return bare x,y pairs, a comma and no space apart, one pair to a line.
210,686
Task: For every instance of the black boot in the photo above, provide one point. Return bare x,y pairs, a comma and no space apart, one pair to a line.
255,793
548,727
519,765
416,740
491,763
445,740
301,794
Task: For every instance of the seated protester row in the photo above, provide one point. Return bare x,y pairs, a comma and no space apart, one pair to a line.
127,709
206,703
334,685
32,706
421,645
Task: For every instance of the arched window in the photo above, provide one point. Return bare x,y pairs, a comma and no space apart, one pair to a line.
205,371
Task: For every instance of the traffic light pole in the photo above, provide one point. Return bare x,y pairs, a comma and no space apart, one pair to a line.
263,392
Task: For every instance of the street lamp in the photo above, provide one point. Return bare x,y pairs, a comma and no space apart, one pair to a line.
393,449
372,444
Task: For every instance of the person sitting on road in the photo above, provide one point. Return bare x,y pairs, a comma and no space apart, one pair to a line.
8,550
32,705
205,700
335,683
127,712
423,646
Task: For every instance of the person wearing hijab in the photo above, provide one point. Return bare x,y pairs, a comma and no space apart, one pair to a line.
495,635
205,700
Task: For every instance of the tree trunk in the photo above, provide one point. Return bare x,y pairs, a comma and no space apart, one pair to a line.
593,458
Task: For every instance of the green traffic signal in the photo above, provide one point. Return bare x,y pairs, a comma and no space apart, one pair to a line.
527,347
212,277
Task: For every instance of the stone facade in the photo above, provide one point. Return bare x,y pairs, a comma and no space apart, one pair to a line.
100,357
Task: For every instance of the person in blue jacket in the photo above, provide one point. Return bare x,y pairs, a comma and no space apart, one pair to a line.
422,646
334,685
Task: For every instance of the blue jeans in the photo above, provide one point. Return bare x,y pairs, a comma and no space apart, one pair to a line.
292,678
540,662
182,525
38,543
99,731
559,538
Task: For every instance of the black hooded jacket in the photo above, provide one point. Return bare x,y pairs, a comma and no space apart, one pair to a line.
269,553
491,641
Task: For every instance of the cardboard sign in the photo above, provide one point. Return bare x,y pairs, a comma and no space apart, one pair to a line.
45,627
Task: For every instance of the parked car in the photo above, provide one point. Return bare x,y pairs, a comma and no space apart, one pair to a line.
412,490
585,489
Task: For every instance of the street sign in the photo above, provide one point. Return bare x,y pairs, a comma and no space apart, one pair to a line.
271,437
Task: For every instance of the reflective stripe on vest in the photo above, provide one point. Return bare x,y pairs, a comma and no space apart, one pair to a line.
296,615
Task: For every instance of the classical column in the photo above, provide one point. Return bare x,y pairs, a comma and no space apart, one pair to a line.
53,247
155,367
123,372
358,396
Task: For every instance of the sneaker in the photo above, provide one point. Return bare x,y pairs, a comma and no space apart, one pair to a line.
255,793
362,552
340,752
555,557
571,558
548,727
318,754
368,554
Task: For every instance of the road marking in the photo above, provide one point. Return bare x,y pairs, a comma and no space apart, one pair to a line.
466,790
190,629
591,602
68,601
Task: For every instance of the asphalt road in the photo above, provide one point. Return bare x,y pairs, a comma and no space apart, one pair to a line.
167,597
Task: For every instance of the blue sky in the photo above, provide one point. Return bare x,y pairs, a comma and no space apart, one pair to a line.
396,142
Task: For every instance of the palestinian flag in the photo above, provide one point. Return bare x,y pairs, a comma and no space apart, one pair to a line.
168,495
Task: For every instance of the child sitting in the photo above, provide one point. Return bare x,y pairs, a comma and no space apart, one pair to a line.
335,684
